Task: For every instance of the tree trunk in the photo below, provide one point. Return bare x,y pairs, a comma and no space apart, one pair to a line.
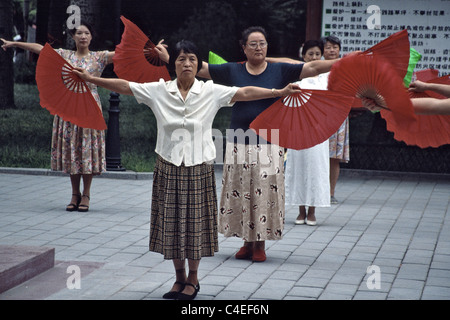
6,57
56,25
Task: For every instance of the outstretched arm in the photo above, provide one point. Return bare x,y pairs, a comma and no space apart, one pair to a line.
425,106
431,106
33,47
116,85
257,93
204,71
314,68
419,86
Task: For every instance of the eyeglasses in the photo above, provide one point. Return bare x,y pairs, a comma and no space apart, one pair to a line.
254,44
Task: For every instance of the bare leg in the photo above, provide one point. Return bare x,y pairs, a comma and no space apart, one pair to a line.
334,174
302,213
180,273
87,182
311,214
75,182
192,277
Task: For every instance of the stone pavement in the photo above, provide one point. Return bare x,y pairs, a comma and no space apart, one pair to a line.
389,238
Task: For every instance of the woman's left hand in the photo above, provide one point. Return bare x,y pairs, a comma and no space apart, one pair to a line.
161,49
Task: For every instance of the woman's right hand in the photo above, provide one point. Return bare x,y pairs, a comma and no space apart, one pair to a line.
82,73
370,104
7,44
291,88
418,86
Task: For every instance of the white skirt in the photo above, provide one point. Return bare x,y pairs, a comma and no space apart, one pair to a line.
308,176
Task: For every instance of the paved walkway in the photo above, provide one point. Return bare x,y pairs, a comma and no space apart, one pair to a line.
389,238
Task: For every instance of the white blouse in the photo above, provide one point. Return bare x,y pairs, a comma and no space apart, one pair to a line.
184,126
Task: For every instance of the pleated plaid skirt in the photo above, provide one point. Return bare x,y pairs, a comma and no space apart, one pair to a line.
183,222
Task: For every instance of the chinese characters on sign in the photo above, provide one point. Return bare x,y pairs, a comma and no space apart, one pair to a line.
362,24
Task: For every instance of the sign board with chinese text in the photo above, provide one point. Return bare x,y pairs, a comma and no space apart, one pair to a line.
362,24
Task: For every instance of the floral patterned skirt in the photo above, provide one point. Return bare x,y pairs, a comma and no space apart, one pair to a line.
77,150
340,143
252,200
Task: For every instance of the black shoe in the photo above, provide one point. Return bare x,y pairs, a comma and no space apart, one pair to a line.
183,296
174,294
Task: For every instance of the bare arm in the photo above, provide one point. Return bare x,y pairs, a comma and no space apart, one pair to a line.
314,68
431,106
33,47
116,85
109,57
204,71
257,93
419,86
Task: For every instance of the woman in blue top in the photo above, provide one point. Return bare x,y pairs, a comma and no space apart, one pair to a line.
252,200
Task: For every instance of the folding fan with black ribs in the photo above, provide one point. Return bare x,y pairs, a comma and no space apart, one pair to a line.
304,119
371,77
136,59
395,50
65,94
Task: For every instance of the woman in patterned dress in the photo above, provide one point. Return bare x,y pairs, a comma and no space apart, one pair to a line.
252,204
77,151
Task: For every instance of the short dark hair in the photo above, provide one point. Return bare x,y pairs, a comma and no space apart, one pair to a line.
311,44
332,39
187,47
250,30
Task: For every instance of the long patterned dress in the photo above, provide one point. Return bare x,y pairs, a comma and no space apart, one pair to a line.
77,150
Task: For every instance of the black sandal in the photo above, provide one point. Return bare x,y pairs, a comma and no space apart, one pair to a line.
74,206
83,207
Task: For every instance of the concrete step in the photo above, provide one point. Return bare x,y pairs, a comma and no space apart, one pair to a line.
21,263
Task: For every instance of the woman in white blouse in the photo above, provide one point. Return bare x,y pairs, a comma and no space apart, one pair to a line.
184,202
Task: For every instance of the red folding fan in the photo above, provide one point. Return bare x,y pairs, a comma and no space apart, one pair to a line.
135,58
426,74
430,93
426,131
304,119
395,49
65,94
371,77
